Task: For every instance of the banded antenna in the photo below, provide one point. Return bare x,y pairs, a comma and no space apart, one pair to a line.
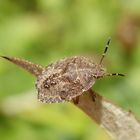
105,50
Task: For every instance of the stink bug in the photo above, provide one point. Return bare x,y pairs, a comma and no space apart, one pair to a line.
65,79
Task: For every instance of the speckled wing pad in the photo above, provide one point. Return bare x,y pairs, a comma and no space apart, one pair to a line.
65,80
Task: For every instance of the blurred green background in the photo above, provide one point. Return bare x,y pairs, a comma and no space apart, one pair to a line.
44,31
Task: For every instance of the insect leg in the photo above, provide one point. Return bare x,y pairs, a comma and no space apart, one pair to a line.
76,100
92,93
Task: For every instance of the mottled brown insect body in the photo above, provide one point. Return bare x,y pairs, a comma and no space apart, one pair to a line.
66,79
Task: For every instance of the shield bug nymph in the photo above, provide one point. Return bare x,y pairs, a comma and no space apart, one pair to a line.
65,79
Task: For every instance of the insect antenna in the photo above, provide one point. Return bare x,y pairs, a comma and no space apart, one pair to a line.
105,50
114,74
